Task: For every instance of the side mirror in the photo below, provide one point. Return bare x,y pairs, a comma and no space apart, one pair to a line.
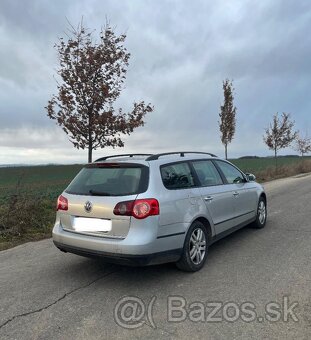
251,177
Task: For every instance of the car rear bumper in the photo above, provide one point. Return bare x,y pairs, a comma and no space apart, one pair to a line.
125,259
136,249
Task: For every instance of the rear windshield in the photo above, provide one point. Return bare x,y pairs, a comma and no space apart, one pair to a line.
110,180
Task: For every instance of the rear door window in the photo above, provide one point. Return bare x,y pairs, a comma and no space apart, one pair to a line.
110,180
177,176
207,173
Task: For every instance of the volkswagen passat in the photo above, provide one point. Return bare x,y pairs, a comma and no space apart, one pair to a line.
150,209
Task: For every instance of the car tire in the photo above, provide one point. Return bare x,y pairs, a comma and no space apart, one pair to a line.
261,217
195,248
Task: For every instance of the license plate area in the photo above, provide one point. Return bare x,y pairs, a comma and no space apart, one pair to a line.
91,225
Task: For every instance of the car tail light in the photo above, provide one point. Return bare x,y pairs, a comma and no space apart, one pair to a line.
62,203
139,209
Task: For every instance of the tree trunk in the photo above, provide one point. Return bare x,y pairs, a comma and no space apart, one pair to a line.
90,153
90,146
226,151
276,161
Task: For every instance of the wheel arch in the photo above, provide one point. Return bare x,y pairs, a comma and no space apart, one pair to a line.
207,225
264,196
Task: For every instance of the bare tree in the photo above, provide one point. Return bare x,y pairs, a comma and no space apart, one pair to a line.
227,116
92,76
302,145
280,134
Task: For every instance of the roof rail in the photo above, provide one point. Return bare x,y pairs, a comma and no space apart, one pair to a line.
182,154
124,155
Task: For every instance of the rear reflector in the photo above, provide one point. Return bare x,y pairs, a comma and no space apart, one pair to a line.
139,209
62,203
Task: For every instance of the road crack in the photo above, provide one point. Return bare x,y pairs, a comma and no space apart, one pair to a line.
58,300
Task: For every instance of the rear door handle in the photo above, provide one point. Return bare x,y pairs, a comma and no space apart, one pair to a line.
208,198
235,194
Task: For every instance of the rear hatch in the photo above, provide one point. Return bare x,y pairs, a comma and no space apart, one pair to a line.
94,193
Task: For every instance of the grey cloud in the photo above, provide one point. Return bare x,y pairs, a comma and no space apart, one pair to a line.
181,51
41,19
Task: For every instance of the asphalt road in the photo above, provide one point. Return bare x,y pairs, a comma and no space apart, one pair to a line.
45,294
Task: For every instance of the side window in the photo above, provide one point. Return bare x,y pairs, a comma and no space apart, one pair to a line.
177,176
232,174
207,173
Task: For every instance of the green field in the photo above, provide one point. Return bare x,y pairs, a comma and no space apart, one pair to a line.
50,180
40,181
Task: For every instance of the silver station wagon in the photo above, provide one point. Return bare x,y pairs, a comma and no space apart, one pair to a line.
148,209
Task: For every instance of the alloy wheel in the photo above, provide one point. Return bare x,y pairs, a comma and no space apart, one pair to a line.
197,246
262,212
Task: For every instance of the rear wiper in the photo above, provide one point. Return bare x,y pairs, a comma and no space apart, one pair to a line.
99,193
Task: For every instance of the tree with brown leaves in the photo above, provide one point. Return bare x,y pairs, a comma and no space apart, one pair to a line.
280,134
302,145
227,116
92,76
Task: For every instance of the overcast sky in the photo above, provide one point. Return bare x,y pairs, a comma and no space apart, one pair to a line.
180,53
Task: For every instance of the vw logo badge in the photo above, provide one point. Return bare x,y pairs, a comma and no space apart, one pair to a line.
88,206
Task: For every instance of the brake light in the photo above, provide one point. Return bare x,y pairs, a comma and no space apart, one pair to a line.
145,207
139,209
62,203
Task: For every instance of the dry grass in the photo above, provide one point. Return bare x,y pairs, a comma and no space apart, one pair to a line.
301,167
25,217
26,214
13,241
